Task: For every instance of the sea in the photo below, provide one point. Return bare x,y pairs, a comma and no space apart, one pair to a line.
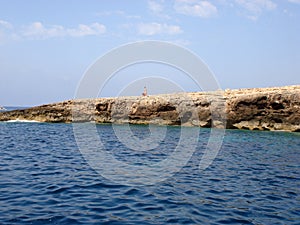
45,178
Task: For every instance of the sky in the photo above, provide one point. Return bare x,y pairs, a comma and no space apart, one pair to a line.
47,46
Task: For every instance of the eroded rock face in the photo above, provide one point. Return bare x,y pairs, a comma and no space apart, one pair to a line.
254,109
264,109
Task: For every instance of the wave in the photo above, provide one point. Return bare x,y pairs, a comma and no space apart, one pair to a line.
22,121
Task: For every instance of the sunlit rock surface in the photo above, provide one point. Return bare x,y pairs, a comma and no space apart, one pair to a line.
253,109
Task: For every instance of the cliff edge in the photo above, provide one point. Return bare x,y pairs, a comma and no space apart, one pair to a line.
253,109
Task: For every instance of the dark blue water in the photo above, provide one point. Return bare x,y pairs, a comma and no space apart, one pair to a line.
44,179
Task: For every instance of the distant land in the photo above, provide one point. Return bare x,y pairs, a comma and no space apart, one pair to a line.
10,108
273,109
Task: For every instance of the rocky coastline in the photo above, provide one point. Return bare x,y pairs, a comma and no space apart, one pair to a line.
253,109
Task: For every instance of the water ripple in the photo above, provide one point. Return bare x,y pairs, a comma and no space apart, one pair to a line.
45,180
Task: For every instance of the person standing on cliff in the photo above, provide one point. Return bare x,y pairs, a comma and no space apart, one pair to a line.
145,92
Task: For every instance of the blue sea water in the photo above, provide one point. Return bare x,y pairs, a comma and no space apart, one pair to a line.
44,179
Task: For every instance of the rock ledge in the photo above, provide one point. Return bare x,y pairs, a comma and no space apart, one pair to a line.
253,109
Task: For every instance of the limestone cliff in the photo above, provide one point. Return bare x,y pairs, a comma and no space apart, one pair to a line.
254,109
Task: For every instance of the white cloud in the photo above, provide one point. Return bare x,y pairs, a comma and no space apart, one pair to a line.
6,32
150,29
5,24
294,1
133,17
38,31
256,7
119,13
85,30
110,13
155,6
203,9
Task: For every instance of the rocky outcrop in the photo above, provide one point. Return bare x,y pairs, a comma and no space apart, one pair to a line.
264,108
254,109
58,112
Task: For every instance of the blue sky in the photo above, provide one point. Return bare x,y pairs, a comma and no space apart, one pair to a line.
46,46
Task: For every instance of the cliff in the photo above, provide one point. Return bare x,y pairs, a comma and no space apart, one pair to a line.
254,109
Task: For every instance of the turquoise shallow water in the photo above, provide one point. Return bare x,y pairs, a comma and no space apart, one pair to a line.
44,179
